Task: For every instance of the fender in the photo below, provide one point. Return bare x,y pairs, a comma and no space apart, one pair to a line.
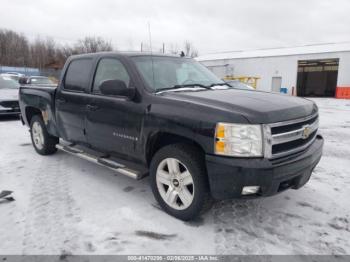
35,99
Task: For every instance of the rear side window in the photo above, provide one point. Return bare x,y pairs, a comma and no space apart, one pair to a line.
78,75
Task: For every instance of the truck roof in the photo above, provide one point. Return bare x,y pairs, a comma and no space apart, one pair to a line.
128,54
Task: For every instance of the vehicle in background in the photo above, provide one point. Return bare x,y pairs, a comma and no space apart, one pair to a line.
239,85
12,76
171,118
36,80
8,96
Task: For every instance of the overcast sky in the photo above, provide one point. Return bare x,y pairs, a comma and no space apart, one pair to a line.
211,25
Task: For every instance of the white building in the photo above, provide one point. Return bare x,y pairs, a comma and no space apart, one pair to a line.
314,70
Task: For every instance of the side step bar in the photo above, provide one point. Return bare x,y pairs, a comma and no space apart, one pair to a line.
102,161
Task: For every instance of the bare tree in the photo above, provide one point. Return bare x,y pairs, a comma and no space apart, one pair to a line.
63,52
93,45
194,53
38,53
174,49
190,50
188,47
14,48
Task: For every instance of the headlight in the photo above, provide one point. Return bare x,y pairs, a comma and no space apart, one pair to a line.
238,140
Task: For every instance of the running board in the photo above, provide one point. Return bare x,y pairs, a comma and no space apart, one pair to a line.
102,161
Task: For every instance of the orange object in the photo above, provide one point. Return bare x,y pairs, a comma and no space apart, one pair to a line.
220,131
343,92
220,147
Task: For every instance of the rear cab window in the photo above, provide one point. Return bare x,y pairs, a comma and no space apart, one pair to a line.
78,75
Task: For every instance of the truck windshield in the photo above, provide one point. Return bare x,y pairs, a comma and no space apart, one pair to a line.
174,72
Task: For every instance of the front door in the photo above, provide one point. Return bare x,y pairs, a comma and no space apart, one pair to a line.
113,123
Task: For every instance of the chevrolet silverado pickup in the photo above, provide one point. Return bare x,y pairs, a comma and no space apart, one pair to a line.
170,118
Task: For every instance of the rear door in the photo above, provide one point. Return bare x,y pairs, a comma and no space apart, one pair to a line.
71,100
113,124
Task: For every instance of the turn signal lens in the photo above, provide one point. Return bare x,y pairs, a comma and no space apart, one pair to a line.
220,131
220,146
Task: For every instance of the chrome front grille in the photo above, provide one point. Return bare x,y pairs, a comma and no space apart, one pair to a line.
286,138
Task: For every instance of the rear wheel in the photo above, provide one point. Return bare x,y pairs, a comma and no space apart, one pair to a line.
179,181
43,142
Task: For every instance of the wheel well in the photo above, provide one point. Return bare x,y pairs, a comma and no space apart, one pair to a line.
164,139
30,112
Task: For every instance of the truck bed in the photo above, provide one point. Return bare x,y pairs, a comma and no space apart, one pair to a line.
38,97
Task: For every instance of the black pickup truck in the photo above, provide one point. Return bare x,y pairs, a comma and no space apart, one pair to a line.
172,119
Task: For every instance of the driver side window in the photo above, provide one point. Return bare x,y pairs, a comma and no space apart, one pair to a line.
109,69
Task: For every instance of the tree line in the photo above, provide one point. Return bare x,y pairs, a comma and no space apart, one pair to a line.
17,50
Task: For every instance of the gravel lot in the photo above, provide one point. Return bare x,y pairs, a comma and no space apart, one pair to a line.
65,205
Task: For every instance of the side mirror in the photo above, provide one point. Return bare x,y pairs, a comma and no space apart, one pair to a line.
116,87
22,80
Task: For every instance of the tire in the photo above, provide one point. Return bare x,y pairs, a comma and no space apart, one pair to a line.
43,142
171,184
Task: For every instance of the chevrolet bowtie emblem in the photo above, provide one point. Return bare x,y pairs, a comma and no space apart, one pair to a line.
306,132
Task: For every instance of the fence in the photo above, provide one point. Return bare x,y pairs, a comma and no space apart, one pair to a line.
22,70
30,71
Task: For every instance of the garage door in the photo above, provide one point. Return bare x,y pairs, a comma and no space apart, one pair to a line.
317,78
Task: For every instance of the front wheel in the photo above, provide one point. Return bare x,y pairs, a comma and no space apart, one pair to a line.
43,142
179,181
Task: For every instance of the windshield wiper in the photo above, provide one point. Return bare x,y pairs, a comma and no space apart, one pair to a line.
182,86
220,84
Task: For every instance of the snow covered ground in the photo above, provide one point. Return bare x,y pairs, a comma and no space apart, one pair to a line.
65,205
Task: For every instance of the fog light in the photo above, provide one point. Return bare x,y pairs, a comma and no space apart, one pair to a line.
249,190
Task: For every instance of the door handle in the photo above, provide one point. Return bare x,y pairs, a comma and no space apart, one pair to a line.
92,107
61,100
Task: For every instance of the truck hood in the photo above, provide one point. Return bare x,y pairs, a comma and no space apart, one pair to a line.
257,107
8,94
